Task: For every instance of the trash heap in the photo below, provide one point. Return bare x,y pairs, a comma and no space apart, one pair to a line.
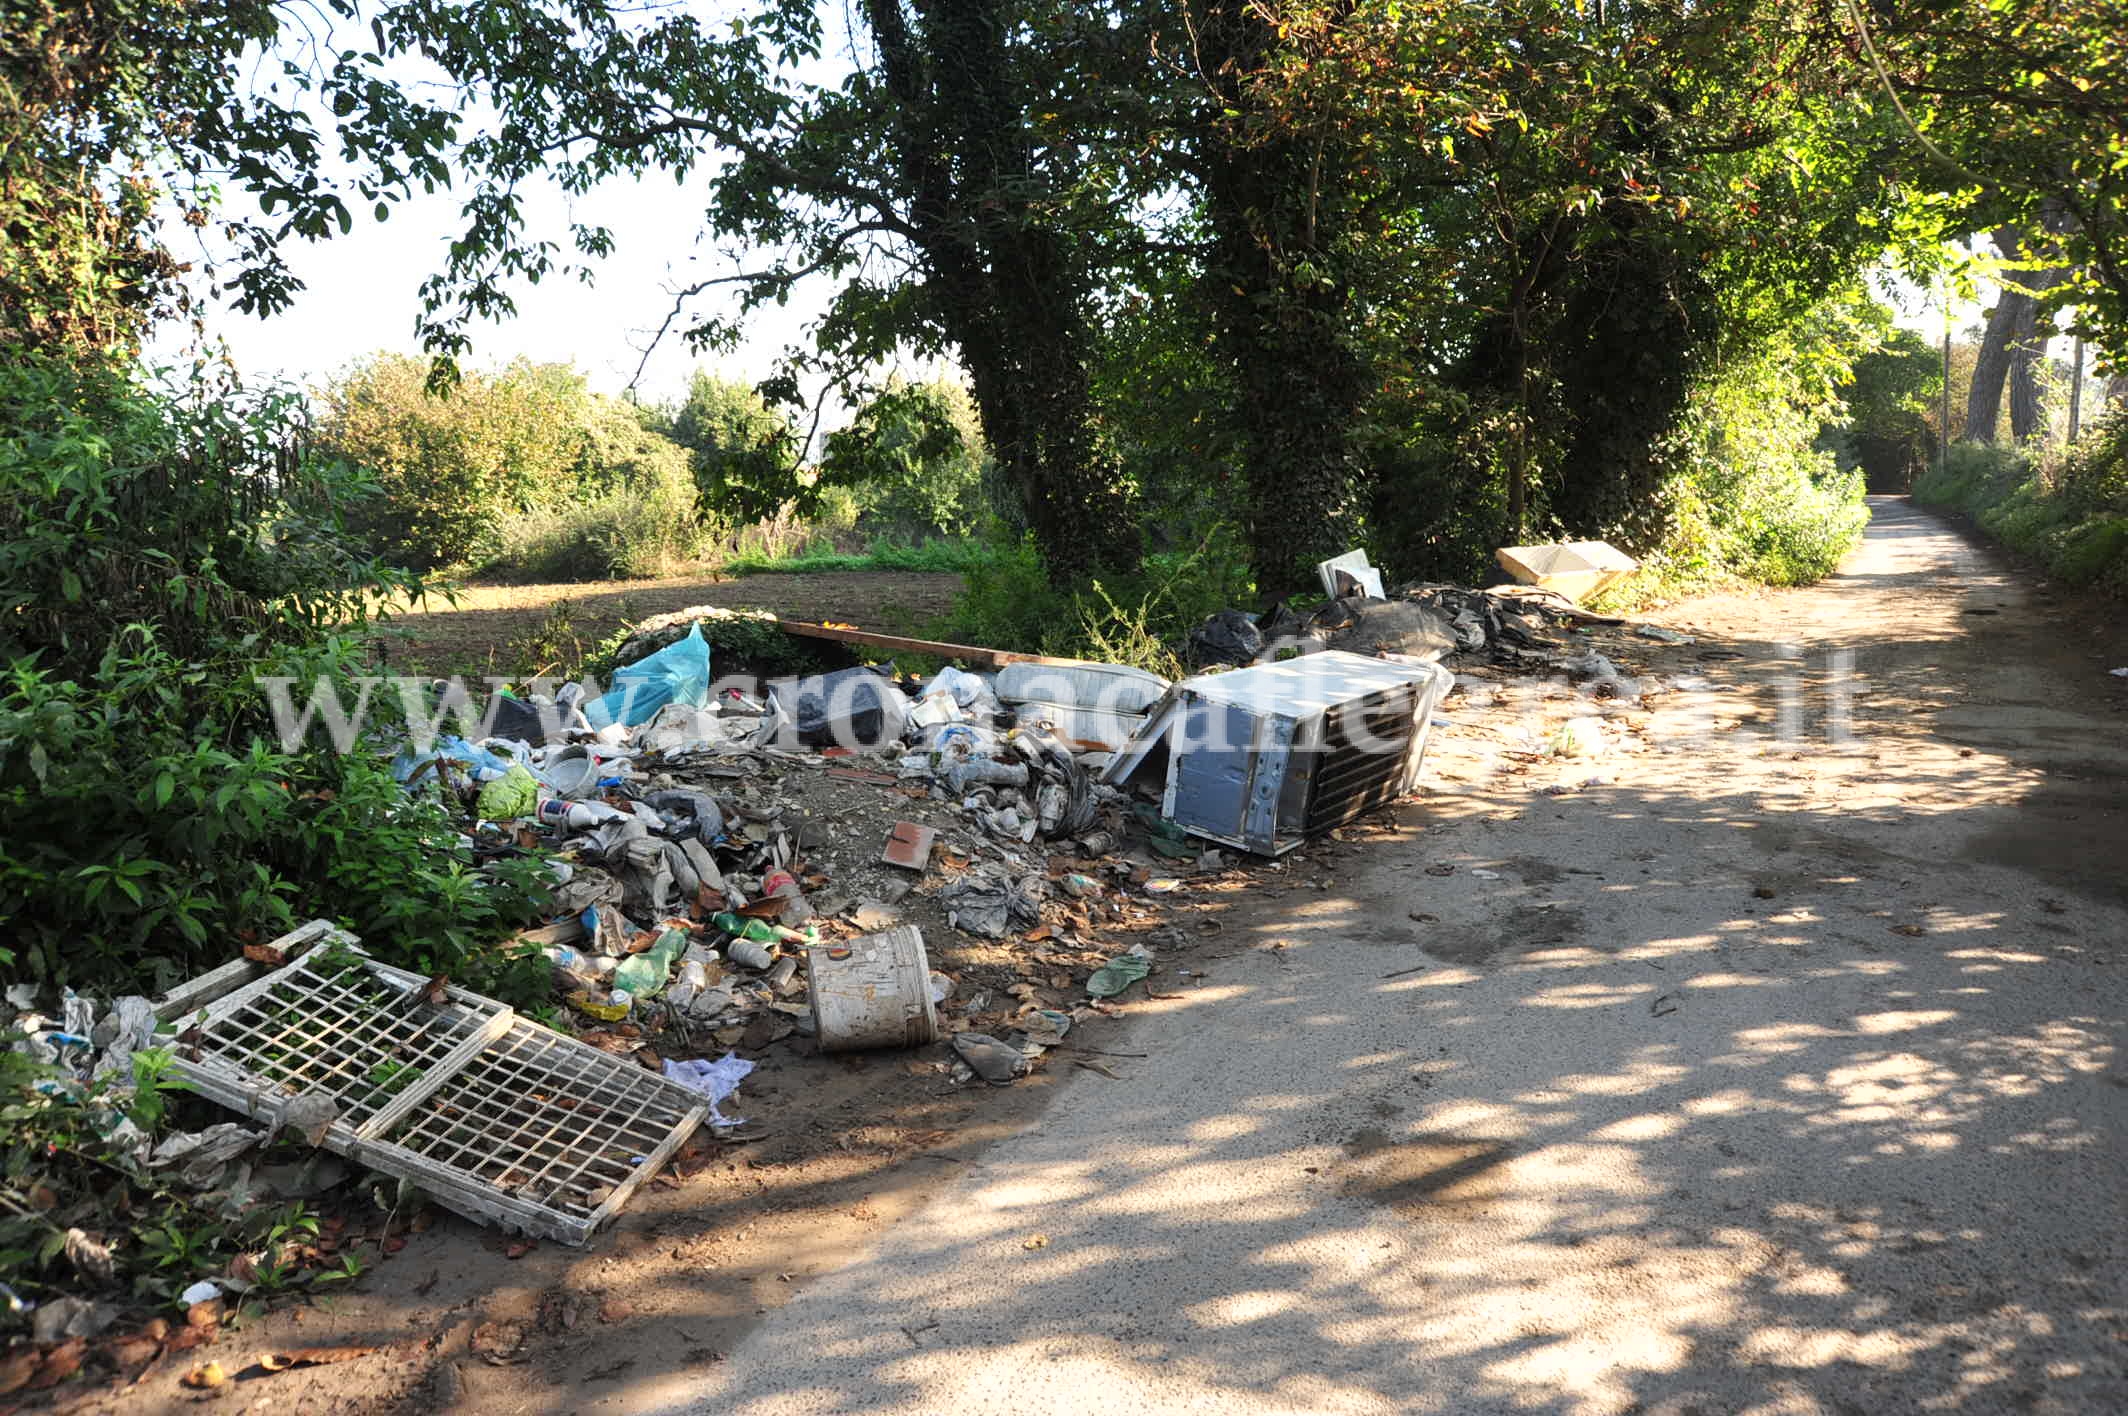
733,867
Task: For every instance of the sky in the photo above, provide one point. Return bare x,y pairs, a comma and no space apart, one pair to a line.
362,295
362,289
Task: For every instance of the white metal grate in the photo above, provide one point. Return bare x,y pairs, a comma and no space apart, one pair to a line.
543,1133
497,1118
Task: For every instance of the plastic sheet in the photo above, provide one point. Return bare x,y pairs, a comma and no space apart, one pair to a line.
678,673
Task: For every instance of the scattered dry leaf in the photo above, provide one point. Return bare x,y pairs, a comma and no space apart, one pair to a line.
60,1363
265,954
207,1377
17,1367
128,1351
311,1357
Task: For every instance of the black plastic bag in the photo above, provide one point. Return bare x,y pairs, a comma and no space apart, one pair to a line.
1229,637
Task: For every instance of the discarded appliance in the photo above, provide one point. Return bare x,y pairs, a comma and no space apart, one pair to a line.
1089,705
1576,569
1349,574
495,1117
1264,757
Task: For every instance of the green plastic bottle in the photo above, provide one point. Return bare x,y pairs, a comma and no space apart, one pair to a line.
644,974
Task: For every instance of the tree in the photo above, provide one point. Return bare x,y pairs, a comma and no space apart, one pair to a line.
1889,394
1275,169
744,454
453,463
914,455
938,183
1624,201
2019,110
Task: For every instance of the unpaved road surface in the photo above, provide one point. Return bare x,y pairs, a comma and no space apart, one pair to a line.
1769,1065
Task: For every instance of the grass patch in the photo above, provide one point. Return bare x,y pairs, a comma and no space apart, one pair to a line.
2068,512
955,557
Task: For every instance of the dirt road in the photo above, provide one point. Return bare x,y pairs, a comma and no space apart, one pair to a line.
1767,1063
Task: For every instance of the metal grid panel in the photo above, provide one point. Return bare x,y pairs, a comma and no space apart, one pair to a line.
543,1133
353,1030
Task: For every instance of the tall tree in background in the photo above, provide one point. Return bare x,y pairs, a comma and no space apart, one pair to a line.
1275,169
2023,110
930,184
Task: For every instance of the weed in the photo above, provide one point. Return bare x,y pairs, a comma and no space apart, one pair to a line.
933,556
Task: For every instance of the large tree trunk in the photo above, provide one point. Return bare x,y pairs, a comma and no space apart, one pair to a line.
1275,205
2028,412
2015,343
2012,316
1001,276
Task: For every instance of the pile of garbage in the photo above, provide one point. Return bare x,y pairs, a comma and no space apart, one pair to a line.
723,853
1422,621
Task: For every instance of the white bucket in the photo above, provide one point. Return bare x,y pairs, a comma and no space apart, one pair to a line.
872,992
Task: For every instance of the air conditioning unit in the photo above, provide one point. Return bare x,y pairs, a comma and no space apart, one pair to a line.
1264,757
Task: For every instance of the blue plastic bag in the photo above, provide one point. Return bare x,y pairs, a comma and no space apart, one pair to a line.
678,673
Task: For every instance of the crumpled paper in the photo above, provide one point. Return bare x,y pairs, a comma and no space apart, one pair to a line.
993,906
715,1080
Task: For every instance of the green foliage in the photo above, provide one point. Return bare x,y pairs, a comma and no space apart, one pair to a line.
915,460
2070,514
2019,111
65,1146
156,557
936,556
1755,497
453,463
523,473
1889,396
85,94
744,454
1009,603
199,515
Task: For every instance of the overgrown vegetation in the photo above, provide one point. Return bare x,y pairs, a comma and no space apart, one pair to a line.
159,555
522,472
2069,511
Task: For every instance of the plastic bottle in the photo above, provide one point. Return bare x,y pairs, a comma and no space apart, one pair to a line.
749,953
575,815
759,930
643,975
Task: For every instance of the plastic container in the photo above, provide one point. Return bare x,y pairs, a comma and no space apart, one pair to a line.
559,813
749,953
872,992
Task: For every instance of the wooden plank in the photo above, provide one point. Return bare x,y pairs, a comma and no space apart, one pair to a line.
975,654
199,992
652,1164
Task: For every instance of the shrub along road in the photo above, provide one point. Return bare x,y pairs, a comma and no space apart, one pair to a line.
1753,1075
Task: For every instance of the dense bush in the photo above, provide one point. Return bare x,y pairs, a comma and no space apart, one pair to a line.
745,454
1009,603
157,556
1753,494
1889,396
915,460
633,512
2070,513
452,464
